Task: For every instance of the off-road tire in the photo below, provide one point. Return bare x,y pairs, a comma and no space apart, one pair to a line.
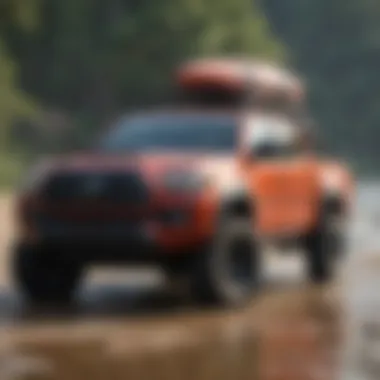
212,281
42,277
324,247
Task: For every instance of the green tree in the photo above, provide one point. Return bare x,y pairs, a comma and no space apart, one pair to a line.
93,59
13,102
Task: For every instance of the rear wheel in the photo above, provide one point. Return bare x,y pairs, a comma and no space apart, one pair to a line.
42,277
324,247
228,271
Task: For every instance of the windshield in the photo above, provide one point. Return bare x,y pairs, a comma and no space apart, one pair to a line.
172,132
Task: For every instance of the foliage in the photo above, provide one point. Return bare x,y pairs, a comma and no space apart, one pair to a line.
95,58
84,62
14,103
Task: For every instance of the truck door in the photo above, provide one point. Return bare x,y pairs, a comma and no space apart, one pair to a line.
280,176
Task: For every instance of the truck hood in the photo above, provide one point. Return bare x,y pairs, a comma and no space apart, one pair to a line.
217,167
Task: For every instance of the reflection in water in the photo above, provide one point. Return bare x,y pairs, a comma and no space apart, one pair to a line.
362,307
304,345
289,337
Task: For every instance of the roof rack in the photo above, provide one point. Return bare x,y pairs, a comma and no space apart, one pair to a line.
255,79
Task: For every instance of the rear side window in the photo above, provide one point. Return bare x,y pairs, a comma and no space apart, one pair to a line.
272,137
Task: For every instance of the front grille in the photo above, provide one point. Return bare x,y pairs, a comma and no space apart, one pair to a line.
57,228
126,187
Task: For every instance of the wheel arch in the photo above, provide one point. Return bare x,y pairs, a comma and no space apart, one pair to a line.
239,204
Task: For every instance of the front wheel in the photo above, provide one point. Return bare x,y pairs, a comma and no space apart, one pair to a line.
42,277
228,271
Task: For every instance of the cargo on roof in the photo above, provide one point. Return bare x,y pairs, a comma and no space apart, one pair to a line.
260,78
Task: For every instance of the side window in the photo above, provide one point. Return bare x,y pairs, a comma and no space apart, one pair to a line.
272,138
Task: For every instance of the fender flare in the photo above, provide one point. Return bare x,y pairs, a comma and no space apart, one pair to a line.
333,204
238,202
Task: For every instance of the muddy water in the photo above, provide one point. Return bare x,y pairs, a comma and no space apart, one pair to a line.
124,327
288,335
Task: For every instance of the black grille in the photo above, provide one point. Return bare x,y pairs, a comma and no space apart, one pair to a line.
111,187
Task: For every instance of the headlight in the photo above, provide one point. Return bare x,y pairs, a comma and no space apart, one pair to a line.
183,182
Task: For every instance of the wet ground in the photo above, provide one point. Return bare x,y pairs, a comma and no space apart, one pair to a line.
125,326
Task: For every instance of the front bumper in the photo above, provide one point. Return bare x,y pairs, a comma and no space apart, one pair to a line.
95,233
112,243
105,232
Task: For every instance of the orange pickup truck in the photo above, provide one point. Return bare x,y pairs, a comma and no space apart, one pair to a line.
196,188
